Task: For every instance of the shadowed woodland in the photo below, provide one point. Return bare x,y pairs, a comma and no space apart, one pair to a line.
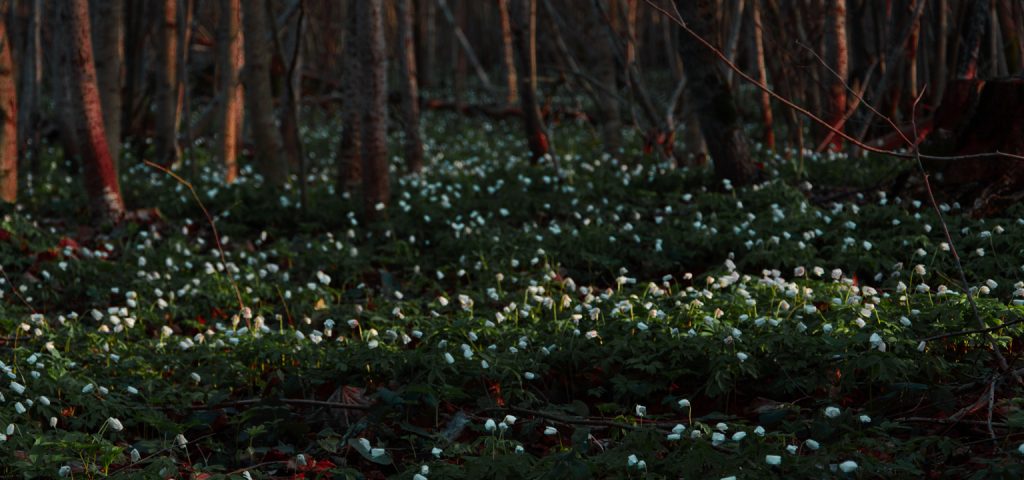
511,239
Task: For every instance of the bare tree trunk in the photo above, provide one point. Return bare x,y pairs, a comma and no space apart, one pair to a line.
166,140
134,105
508,54
291,55
716,110
183,106
762,76
350,160
970,47
598,52
258,94
941,58
8,115
427,42
109,61
521,13
732,43
30,83
373,56
1013,42
467,48
410,89
98,168
233,104
840,63
59,63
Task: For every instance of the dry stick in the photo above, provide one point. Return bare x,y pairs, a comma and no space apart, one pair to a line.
971,332
209,219
812,116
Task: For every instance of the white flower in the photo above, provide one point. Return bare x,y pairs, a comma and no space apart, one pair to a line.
632,460
377,452
641,411
848,466
135,455
529,375
791,449
520,449
436,452
490,425
115,424
180,440
449,358
195,377
739,436
865,419
88,388
549,430
832,412
684,403
18,388
812,444
717,438
679,428
772,459
64,471
742,356
759,431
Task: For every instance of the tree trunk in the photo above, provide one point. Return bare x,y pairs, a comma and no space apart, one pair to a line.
507,54
133,103
427,42
166,140
350,160
714,104
232,107
259,96
60,62
533,123
840,63
8,115
762,75
598,52
970,46
410,89
97,166
374,95
30,83
109,37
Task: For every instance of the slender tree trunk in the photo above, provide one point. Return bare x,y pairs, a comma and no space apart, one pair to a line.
30,83
350,160
428,43
599,53
840,63
8,115
109,61
713,100
60,65
133,103
732,43
291,55
231,109
941,55
970,46
373,56
508,55
166,140
762,76
183,94
97,166
1013,41
537,140
467,48
259,96
410,89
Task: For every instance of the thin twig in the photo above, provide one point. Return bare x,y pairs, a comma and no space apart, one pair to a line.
213,226
974,331
14,289
288,401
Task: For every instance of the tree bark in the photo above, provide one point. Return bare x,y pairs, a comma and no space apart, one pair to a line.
166,136
109,37
373,57
259,95
8,115
98,168
599,54
840,63
719,119
232,107
30,83
350,160
533,123
410,89
507,57
970,46
762,76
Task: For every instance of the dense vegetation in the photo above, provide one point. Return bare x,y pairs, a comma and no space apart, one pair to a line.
618,318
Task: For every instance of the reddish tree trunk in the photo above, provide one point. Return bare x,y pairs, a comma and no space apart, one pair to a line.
410,89
166,141
508,57
533,123
8,116
837,91
98,168
231,60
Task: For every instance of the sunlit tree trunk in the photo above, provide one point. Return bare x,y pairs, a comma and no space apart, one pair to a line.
716,110
97,166
410,89
840,63
259,95
374,94
109,36
8,115
523,13
166,135
232,106
508,54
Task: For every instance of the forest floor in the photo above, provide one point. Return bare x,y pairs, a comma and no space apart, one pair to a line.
616,319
